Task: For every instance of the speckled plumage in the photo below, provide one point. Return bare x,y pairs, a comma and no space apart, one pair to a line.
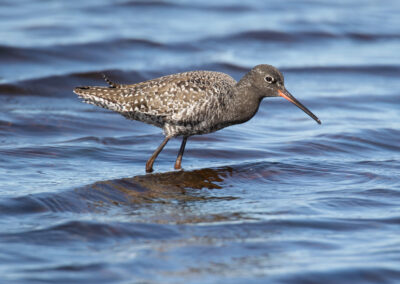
191,103
182,104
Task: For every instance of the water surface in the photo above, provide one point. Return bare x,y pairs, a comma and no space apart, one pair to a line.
279,199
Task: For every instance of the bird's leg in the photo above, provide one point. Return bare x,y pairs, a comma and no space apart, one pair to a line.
180,154
150,162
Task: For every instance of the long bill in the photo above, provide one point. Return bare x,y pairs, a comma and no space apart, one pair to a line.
285,94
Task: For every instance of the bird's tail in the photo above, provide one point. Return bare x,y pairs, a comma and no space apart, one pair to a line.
105,97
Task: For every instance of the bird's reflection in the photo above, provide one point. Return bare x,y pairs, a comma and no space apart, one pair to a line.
171,197
160,187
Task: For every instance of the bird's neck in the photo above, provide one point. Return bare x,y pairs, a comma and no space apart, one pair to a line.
244,102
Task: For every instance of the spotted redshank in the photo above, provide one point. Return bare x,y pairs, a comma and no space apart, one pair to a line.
191,103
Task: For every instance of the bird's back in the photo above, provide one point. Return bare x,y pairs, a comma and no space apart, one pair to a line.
178,99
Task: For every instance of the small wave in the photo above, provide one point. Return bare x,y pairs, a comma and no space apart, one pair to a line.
55,86
78,231
360,273
181,5
12,89
381,70
379,139
150,3
380,192
301,36
76,51
83,50
351,203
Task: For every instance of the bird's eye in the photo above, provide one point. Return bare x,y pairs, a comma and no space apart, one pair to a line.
269,79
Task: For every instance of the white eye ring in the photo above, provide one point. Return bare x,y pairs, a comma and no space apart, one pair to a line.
269,79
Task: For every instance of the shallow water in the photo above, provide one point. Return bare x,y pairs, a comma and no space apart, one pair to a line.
279,199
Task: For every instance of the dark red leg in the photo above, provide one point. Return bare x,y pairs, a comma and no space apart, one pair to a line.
150,162
180,154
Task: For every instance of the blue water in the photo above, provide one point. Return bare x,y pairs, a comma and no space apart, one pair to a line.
278,199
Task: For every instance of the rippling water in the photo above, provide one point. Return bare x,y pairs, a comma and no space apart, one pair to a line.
279,199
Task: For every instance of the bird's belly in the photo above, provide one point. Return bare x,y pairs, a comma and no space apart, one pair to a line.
146,118
173,130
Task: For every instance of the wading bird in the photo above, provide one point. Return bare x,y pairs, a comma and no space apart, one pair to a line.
191,103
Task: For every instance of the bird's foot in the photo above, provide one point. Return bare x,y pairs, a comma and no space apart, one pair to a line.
177,165
149,168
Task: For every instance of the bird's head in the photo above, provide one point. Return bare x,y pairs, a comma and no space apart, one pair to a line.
269,82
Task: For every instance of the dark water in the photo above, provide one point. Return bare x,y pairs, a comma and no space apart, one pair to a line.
279,199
